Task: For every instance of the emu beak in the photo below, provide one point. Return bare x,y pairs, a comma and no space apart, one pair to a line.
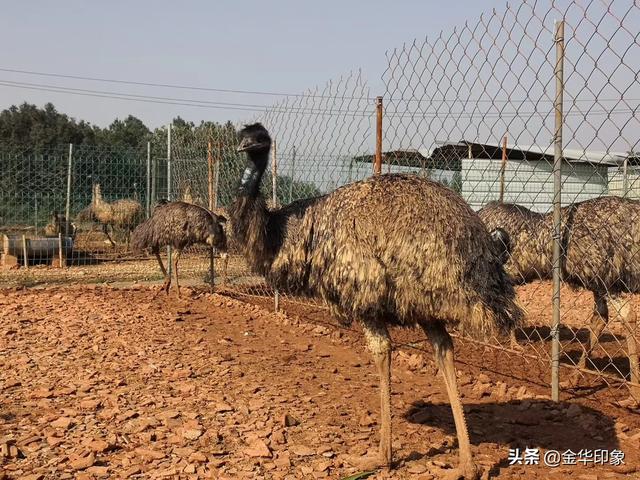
244,145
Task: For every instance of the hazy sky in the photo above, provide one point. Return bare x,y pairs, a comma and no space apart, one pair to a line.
278,46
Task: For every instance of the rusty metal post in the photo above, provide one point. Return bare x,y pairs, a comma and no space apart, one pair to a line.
377,166
557,190
274,199
503,167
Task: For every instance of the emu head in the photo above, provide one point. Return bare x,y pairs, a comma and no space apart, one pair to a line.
501,243
216,236
254,138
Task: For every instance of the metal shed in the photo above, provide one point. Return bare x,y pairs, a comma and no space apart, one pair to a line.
528,173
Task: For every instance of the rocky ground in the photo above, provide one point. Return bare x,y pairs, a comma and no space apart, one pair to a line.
98,382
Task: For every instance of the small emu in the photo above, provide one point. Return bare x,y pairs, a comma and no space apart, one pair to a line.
122,214
601,242
179,225
393,250
58,225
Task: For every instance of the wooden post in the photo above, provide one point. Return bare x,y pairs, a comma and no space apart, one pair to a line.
61,261
503,167
377,167
25,252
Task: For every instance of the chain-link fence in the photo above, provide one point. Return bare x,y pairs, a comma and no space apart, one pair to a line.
482,109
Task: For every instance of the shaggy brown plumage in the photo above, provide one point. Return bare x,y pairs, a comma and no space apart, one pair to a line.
179,225
600,238
124,214
390,250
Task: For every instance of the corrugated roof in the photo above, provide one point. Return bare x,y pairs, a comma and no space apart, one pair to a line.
449,155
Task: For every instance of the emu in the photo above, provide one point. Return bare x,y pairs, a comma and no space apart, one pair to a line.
123,214
179,225
58,225
393,250
601,243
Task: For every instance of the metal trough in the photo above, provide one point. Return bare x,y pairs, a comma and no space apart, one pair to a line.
43,248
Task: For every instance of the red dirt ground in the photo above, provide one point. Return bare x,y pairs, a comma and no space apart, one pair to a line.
97,382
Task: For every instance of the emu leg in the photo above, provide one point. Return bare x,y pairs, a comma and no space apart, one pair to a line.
225,264
599,320
624,308
379,344
105,229
175,268
167,280
443,348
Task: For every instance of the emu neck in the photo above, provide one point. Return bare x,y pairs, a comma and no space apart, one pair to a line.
252,176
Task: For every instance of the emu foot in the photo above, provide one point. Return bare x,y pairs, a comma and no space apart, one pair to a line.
467,472
369,462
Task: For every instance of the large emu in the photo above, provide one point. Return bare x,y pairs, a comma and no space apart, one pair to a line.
124,214
179,225
601,242
391,250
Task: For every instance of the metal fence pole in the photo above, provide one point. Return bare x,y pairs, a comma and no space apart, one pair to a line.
274,199
212,266
217,163
625,178
148,179
293,173
377,168
503,167
557,190
67,210
169,196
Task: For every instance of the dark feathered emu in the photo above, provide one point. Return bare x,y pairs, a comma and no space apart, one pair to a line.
390,250
601,243
179,225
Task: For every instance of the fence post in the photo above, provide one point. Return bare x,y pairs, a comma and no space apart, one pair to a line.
217,163
274,199
35,223
24,252
67,210
148,179
61,261
210,172
293,173
503,167
377,168
557,190
625,178
169,269
212,266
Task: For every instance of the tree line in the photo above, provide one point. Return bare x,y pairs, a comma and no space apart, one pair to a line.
34,153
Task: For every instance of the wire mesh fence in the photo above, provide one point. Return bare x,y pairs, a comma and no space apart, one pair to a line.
474,109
